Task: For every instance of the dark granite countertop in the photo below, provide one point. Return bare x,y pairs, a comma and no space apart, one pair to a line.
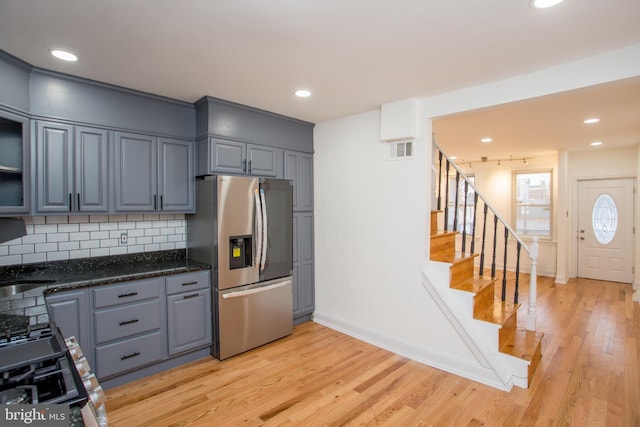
83,272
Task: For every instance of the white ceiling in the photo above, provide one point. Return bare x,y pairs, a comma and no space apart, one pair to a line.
354,55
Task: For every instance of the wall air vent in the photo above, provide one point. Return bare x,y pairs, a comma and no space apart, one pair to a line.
401,150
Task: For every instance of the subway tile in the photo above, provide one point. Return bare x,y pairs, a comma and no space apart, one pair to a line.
78,219
45,229
35,310
90,227
134,249
160,239
97,235
57,237
167,246
178,216
81,253
100,252
57,219
68,228
144,240
34,238
108,243
4,250
152,232
175,238
33,258
108,226
89,244
175,223
135,217
181,245
136,232
143,224
99,218
82,235
31,220
68,246
167,230
126,225
158,224
46,247
181,230
117,218
17,303
166,216
118,250
151,217
57,256
151,247
21,249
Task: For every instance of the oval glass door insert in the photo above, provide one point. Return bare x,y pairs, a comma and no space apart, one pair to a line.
604,219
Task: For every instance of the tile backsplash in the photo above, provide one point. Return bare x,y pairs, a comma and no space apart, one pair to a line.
54,238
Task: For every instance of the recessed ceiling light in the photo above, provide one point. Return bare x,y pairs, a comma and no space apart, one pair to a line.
453,157
543,4
486,140
591,120
303,93
64,55
596,143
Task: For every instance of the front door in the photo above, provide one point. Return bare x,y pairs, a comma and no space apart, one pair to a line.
605,229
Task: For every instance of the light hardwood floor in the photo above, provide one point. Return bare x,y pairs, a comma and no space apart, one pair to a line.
588,376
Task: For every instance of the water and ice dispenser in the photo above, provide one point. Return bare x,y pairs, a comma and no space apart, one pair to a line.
240,252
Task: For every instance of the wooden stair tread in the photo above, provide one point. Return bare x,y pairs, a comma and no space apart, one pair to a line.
474,284
522,344
452,258
498,312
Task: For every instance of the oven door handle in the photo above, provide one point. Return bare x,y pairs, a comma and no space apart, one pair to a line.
258,290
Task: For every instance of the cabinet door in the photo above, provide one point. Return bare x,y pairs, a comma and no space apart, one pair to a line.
263,161
91,149
299,168
227,156
189,321
304,293
70,312
135,172
55,167
176,178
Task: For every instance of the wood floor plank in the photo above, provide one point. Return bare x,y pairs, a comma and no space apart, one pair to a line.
589,374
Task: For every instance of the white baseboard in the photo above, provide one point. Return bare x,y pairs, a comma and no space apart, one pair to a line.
427,356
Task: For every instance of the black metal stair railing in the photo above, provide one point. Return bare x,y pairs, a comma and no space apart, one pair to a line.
489,215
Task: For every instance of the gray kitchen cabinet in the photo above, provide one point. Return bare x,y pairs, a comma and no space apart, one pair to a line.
188,312
303,285
128,325
72,168
224,156
15,161
153,174
70,312
298,167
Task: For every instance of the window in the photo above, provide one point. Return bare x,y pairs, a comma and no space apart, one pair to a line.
464,220
532,203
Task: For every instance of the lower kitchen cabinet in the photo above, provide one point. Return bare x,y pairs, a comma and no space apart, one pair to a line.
136,324
303,287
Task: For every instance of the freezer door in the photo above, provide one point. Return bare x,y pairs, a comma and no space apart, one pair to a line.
279,228
236,209
250,316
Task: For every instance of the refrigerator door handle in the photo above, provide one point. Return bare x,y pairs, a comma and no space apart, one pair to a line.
258,227
264,229
256,290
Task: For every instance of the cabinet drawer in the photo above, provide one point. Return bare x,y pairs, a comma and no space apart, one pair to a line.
138,290
123,321
188,282
113,359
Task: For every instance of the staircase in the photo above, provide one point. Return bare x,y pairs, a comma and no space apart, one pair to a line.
515,352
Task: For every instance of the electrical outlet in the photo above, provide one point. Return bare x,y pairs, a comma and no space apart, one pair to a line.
124,238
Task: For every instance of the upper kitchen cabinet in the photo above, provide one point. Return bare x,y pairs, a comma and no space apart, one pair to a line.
72,168
298,167
153,174
14,164
216,155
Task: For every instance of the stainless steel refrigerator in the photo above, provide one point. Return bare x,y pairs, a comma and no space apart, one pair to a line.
243,227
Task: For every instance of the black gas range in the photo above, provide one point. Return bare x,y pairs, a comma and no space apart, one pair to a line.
38,366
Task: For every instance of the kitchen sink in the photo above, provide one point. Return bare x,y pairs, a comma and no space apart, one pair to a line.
12,287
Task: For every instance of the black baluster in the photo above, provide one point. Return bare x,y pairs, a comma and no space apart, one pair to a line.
473,231
464,217
455,206
495,244
440,180
484,237
504,271
515,295
446,198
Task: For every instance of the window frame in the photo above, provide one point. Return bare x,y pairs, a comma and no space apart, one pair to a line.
515,204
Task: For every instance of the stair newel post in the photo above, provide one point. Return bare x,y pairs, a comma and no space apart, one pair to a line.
504,269
464,217
473,230
515,294
439,179
495,245
533,284
446,197
455,205
484,238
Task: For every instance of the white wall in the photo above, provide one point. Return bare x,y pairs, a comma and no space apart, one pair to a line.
371,239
